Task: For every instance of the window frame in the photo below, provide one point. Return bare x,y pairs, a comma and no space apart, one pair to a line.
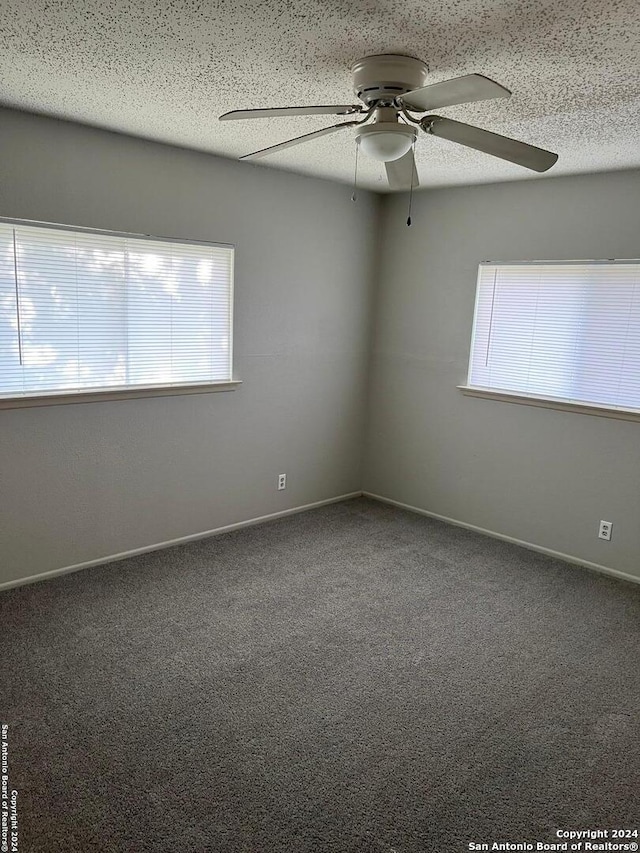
92,395
544,401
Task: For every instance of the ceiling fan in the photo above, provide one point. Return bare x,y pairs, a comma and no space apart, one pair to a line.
393,94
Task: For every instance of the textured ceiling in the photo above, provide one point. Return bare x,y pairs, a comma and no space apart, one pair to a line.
165,70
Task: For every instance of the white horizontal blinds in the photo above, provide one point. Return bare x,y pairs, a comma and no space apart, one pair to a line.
83,310
71,306
10,370
561,330
608,352
179,304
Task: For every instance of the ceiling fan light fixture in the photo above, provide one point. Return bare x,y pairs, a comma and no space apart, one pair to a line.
391,86
386,141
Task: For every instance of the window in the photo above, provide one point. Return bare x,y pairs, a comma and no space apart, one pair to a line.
88,311
561,331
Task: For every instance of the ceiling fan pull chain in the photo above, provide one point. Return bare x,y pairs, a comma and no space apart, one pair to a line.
354,195
413,172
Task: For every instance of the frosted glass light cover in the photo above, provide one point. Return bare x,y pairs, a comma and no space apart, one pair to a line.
385,146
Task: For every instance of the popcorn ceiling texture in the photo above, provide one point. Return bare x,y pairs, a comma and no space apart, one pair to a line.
167,70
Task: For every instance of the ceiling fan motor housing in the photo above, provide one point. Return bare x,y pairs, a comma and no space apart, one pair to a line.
385,77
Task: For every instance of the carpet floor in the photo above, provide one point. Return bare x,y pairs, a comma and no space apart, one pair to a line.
355,679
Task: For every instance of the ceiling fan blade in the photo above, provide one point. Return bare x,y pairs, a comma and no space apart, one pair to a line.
491,143
297,140
402,173
460,90
333,110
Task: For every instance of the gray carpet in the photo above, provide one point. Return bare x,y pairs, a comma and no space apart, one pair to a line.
355,679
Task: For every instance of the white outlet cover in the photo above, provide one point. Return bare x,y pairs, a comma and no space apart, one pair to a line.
605,530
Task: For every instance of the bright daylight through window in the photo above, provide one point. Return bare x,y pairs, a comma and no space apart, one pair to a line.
88,311
561,331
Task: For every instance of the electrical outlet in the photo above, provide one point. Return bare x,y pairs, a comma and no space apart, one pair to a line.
282,482
605,530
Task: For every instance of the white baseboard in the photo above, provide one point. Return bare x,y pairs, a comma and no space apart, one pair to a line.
568,558
112,558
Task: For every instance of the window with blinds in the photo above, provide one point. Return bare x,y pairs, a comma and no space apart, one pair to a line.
567,331
88,311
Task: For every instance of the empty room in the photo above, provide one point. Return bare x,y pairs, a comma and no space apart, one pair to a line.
319,426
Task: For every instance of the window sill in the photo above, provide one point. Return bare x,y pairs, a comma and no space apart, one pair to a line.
596,409
61,399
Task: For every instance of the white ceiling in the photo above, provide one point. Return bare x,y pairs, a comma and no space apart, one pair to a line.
165,70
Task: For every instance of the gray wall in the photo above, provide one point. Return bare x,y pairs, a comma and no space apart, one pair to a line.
539,475
83,481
